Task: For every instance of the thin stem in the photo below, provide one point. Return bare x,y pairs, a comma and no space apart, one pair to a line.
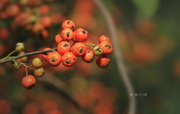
118,57
9,55
26,71
29,67
10,59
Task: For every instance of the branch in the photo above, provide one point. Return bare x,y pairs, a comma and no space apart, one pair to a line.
25,55
118,57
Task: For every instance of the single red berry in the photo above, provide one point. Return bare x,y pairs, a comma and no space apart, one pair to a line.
80,35
37,28
102,62
54,58
103,38
79,49
45,34
13,10
44,9
68,59
106,47
28,81
4,15
46,21
67,34
63,47
88,56
58,39
68,24
4,33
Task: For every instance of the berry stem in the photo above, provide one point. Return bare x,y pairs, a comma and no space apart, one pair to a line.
29,67
26,71
9,55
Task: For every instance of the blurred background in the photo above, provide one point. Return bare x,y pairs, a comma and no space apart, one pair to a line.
148,34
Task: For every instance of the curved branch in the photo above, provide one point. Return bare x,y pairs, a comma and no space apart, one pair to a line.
118,57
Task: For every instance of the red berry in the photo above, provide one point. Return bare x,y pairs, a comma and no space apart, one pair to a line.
80,35
58,39
68,59
46,21
4,33
54,58
106,47
79,49
45,34
28,81
37,28
63,47
68,24
102,62
67,34
13,10
103,38
88,56
44,9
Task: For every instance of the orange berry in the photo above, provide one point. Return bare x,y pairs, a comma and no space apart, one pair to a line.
28,81
106,47
54,58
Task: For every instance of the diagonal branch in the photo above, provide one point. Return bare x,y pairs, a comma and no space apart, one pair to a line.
118,57
25,55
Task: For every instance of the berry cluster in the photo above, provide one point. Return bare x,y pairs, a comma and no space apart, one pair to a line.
70,45
36,65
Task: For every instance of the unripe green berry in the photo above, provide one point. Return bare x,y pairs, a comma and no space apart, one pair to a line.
97,50
39,72
36,62
19,46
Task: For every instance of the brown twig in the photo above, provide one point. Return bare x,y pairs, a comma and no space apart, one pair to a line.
25,55
118,57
